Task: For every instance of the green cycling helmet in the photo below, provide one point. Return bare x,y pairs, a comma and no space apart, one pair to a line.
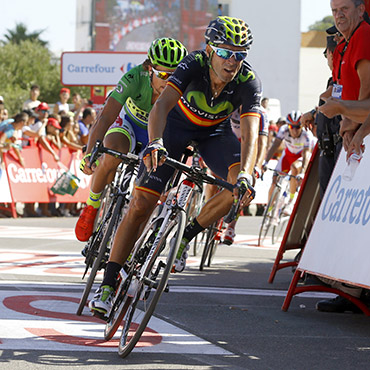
166,52
230,31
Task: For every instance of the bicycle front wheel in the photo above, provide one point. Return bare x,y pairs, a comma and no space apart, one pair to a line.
209,245
150,286
108,231
267,216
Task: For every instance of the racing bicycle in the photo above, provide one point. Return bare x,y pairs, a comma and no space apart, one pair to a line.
274,216
145,275
96,251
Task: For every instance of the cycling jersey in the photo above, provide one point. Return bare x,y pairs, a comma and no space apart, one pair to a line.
197,104
134,92
199,117
294,145
235,123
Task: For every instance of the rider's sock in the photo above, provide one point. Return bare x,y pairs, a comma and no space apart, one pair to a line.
292,196
192,230
94,199
111,274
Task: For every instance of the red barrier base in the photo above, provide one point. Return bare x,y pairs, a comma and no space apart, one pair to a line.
293,290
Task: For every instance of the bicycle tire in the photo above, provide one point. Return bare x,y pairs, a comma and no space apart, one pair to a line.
131,325
215,242
267,215
278,229
208,245
108,235
192,210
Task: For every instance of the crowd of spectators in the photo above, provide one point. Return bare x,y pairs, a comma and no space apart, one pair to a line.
51,128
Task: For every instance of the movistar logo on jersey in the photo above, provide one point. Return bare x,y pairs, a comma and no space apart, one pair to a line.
200,59
200,101
245,75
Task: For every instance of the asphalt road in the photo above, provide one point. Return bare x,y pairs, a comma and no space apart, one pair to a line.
226,317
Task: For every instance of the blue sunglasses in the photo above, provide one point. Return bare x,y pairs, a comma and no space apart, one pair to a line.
227,54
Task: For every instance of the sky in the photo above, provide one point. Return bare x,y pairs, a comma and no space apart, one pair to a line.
59,21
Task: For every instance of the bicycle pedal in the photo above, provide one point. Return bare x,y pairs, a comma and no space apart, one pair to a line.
99,315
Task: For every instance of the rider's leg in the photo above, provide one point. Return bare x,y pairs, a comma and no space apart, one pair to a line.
141,207
102,176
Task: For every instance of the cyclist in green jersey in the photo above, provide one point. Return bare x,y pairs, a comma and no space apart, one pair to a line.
124,119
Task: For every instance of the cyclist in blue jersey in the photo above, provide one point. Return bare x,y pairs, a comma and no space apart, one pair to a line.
207,86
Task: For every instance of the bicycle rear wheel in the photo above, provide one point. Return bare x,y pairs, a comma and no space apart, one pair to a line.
150,286
107,235
278,230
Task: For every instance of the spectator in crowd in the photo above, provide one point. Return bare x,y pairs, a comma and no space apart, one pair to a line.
326,129
52,132
67,134
62,104
219,10
34,128
8,134
351,73
88,118
79,104
33,102
3,111
3,114
43,113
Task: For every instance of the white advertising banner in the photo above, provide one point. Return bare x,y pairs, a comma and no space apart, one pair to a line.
338,246
97,68
5,196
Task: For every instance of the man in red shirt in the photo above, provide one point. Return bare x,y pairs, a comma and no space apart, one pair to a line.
351,61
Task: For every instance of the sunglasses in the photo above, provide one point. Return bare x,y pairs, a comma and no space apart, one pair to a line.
162,75
297,127
227,54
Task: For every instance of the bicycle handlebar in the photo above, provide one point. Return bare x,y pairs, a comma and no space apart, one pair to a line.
98,149
280,173
194,173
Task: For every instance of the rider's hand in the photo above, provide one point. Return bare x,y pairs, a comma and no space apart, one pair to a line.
300,177
244,187
257,172
264,167
85,165
154,154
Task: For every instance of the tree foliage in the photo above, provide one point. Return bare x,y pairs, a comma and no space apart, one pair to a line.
25,62
20,34
322,25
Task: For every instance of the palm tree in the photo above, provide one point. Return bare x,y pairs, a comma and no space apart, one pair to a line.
20,33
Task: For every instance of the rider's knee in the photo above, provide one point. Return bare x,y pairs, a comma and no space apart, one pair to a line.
140,205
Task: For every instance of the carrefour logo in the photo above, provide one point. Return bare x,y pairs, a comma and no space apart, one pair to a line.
346,205
97,68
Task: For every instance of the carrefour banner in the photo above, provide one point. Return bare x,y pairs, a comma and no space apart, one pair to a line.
338,246
33,182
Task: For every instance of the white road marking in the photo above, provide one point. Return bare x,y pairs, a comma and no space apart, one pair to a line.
46,320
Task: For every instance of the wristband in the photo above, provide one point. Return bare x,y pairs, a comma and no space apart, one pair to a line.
245,175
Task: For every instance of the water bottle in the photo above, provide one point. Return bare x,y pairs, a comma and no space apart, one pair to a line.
352,164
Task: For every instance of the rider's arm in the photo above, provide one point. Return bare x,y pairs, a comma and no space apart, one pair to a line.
108,115
249,125
158,115
306,153
274,147
261,152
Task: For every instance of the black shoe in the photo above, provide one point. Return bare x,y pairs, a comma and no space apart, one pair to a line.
337,304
